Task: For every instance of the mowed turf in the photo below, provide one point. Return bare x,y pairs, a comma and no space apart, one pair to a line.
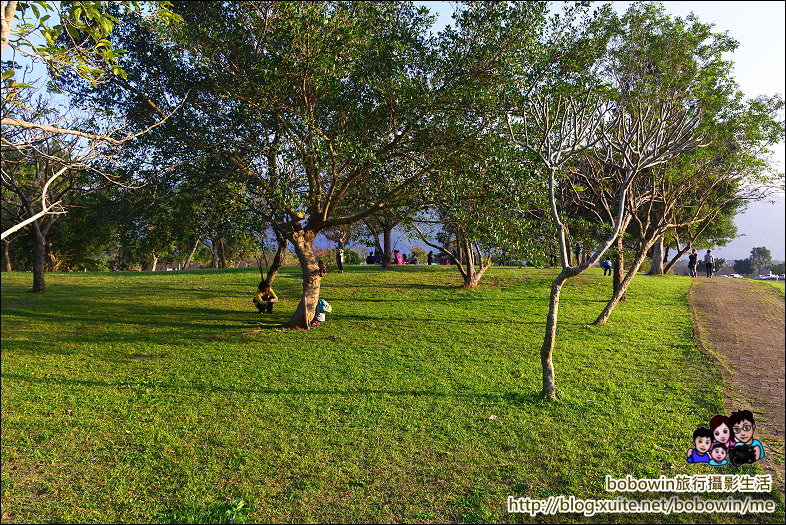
165,397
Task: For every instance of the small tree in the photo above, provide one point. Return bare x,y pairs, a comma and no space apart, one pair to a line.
761,259
743,266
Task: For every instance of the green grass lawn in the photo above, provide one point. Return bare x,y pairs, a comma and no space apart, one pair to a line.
165,397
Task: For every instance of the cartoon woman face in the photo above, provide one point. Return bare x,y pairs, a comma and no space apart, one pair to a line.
722,433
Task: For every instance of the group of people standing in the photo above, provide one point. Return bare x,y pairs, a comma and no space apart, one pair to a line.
693,262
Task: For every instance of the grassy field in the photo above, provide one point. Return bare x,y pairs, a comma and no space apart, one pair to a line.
165,397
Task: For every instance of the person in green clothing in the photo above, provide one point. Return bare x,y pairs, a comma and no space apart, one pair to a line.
264,300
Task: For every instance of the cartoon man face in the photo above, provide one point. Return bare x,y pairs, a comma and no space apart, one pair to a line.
744,430
718,454
722,434
703,444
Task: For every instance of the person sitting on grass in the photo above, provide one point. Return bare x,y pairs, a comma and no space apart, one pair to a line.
322,268
265,299
323,307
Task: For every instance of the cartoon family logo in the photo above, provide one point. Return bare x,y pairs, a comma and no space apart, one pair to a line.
728,440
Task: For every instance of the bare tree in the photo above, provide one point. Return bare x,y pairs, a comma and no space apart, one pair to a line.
645,138
555,131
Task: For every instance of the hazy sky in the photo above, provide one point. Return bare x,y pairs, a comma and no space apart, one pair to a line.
759,27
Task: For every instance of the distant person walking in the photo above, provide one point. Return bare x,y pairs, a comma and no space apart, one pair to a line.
577,251
693,261
709,262
430,258
340,254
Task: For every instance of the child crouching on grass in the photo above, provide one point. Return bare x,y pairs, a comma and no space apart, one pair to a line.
323,307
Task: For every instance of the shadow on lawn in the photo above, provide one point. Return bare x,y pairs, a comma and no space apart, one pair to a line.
512,398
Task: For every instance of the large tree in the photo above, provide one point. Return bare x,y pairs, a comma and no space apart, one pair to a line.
317,98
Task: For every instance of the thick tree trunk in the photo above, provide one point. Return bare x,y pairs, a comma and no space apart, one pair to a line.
39,261
191,253
303,240
387,252
619,293
657,257
154,262
7,266
547,350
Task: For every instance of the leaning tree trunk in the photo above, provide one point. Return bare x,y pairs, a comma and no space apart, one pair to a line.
275,266
303,240
39,261
191,253
673,261
547,350
619,271
387,252
657,257
619,293
154,262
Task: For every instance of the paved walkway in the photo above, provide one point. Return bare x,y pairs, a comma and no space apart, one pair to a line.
741,324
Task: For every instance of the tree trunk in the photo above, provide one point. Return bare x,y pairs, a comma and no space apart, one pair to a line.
191,253
276,264
676,258
547,350
619,293
222,256
303,240
619,271
39,261
657,257
155,261
387,252
7,266
213,254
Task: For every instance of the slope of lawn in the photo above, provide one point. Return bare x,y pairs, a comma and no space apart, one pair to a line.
165,397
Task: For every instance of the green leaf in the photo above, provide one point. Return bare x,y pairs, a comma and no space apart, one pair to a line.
7,74
20,85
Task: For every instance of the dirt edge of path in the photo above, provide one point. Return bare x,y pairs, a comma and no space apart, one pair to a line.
732,393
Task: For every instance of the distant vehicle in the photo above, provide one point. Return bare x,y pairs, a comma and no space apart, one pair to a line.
735,276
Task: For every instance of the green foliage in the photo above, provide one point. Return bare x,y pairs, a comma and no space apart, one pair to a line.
777,268
744,266
760,258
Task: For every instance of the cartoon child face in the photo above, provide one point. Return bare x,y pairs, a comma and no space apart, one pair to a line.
703,444
722,433
718,454
743,431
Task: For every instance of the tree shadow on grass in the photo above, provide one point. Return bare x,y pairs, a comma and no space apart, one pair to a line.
511,398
